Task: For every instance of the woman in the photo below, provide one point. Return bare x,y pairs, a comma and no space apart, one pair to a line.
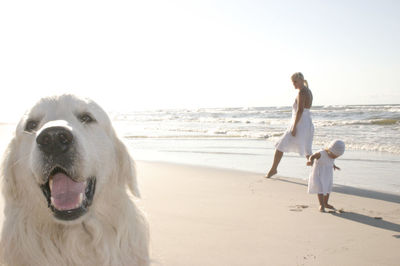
298,137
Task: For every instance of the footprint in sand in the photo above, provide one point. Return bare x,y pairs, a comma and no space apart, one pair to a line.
336,211
298,208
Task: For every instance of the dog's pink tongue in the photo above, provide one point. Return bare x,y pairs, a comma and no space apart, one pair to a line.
65,192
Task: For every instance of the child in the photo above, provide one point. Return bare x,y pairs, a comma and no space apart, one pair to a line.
321,177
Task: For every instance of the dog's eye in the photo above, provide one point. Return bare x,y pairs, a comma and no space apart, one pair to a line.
31,125
86,118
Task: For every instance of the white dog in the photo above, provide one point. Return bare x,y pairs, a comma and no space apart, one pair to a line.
65,179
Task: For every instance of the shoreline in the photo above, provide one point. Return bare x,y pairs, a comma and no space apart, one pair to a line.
338,188
368,170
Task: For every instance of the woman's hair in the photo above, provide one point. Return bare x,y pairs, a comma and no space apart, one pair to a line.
299,76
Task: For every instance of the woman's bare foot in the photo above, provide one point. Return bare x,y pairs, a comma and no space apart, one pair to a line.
329,206
271,173
321,208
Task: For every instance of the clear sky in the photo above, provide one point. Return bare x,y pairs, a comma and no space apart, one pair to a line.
130,55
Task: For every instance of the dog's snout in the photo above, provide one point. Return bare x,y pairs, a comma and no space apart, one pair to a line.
55,140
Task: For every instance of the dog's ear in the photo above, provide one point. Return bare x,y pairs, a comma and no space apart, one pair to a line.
127,168
10,188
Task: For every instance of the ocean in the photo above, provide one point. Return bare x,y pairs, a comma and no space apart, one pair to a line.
244,138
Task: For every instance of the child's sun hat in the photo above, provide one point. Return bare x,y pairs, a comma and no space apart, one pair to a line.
336,147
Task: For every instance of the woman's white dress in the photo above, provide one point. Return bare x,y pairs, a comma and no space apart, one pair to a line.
302,142
321,177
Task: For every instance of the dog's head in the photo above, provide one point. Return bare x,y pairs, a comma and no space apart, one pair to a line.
64,155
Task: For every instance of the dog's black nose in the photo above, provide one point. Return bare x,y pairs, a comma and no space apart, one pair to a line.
55,140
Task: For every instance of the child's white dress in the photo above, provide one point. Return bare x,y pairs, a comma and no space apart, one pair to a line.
302,142
321,177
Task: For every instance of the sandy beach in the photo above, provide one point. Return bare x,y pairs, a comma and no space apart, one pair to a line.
206,216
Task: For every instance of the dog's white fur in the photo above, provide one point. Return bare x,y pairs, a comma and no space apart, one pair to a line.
113,232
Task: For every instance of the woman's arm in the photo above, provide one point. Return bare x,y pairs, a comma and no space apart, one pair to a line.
301,99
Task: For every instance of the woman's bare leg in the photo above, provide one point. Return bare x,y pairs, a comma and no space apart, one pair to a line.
277,159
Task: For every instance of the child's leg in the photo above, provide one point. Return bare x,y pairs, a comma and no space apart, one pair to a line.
321,202
326,198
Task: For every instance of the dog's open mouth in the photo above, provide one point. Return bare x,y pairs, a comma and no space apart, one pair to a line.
68,199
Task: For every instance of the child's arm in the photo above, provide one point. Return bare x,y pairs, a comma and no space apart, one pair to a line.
335,167
313,157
